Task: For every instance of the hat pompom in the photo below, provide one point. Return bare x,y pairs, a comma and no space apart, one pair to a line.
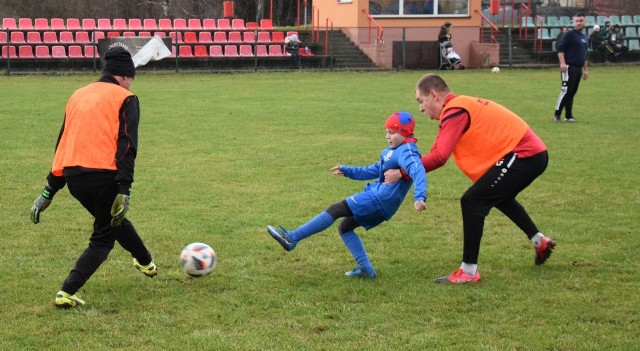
401,122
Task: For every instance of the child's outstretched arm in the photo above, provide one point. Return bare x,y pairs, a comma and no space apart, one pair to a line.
420,205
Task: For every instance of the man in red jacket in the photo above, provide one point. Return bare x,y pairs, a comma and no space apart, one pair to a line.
497,150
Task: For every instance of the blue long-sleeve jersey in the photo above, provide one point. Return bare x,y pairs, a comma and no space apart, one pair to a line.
388,197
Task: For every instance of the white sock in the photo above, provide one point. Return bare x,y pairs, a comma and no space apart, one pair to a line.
469,268
537,239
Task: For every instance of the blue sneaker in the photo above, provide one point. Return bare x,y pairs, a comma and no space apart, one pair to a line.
282,236
360,272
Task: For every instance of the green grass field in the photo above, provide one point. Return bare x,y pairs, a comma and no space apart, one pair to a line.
222,156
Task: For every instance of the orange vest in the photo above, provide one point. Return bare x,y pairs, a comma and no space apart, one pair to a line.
91,127
494,131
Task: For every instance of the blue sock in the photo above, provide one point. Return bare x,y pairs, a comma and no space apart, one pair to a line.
354,245
315,225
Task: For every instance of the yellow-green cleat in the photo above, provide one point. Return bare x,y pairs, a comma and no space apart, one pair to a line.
64,300
149,270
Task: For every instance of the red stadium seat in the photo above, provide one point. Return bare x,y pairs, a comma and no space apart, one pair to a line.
25,51
235,37
9,23
205,37
144,34
17,38
97,35
238,24
150,24
185,51
224,23
266,24
194,24
277,37
200,51
90,51
88,24
75,51
3,37
209,24
248,37
135,24
42,51
261,50
245,50
264,37
113,34
82,37
119,23
219,37
72,24
230,51
58,51
159,34
275,50
128,33
57,24
190,37
41,24
25,24
34,38
174,38
66,37
104,24
180,24
11,51
165,24
290,33
50,37
215,51
252,25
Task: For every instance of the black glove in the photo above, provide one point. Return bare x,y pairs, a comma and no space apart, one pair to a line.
119,209
41,203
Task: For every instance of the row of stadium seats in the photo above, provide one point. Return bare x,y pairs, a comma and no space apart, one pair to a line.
566,21
552,33
134,24
44,51
633,45
85,37
184,51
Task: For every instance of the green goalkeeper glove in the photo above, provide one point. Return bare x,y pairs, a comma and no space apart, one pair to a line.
41,203
119,209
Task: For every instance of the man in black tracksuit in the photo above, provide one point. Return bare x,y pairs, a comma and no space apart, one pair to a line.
572,54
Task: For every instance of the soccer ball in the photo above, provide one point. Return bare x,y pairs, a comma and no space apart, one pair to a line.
198,259
495,70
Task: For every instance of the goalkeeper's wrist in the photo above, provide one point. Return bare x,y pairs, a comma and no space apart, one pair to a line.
124,189
48,192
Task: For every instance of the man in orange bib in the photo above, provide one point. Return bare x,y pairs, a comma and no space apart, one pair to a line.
95,156
497,150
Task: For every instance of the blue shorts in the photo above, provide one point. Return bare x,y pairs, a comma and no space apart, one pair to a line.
365,211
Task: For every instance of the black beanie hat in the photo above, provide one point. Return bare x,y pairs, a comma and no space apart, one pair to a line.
119,62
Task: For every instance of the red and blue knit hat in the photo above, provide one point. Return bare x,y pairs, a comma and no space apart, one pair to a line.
401,122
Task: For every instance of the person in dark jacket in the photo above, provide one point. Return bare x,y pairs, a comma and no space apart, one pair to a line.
572,54
95,157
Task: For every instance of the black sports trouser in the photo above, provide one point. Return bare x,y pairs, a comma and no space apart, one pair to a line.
498,188
96,192
570,82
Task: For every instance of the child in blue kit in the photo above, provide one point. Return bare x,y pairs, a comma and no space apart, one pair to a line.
377,203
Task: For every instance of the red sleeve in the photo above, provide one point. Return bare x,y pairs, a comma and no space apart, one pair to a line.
453,124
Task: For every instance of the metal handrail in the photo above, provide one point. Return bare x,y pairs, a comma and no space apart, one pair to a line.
527,14
379,29
493,27
538,25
